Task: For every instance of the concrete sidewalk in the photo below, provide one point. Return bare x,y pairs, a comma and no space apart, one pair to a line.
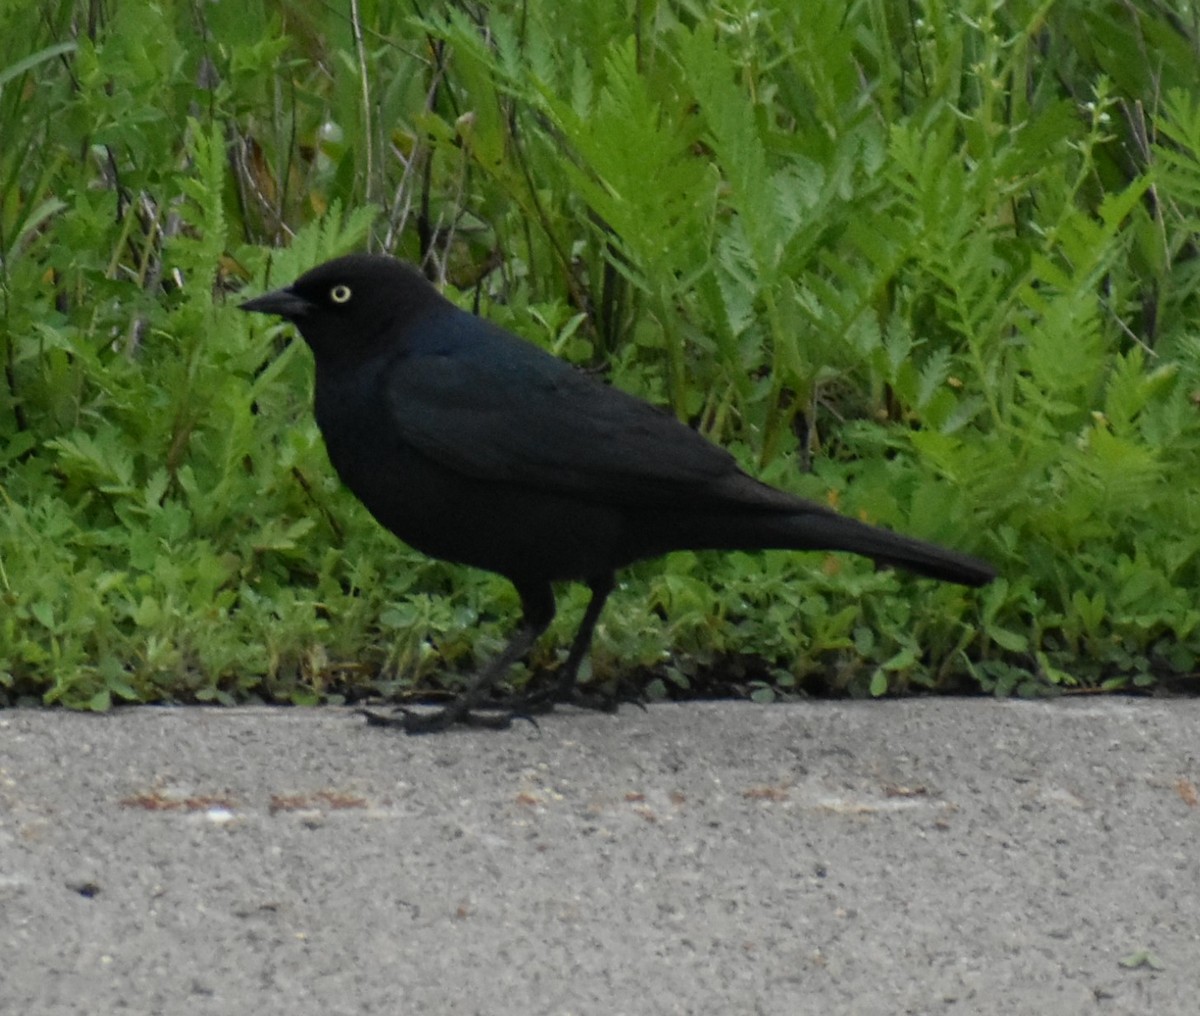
934,856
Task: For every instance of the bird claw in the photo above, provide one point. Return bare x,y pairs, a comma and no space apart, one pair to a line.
596,703
543,700
412,721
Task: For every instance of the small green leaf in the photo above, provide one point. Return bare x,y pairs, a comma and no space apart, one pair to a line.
879,683
1013,641
101,702
1142,958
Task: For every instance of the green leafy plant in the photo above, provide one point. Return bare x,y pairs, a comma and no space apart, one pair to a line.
935,266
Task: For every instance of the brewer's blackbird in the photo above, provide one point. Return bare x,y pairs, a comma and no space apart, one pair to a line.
473,445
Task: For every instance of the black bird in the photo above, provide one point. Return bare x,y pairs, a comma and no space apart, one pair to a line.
473,445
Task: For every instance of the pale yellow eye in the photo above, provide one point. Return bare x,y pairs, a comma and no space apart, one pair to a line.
340,294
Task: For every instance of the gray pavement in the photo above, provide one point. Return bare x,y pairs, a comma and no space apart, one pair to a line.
934,856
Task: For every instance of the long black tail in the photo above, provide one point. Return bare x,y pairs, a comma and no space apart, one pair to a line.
827,531
807,526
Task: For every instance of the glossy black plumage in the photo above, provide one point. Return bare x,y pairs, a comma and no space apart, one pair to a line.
475,446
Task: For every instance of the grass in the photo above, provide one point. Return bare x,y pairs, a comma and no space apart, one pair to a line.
933,265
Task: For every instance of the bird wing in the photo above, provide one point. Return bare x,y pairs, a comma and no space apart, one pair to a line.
518,415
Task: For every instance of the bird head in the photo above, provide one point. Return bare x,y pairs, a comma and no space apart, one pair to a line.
349,306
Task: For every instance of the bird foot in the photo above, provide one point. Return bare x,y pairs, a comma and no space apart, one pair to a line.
414,721
544,699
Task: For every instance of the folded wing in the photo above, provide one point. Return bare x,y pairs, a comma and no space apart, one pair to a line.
527,418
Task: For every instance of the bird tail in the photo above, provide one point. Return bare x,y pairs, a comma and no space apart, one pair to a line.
828,531
809,526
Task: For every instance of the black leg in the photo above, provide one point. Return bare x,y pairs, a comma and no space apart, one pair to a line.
600,588
537,606
562,685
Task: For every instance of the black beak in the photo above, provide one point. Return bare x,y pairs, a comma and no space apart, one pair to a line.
284,302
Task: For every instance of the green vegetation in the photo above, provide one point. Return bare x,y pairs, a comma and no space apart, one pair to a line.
935,264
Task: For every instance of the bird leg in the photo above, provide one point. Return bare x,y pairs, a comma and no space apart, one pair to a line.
562,688
537,604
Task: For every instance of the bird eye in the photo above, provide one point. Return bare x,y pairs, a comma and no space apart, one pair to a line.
340,294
